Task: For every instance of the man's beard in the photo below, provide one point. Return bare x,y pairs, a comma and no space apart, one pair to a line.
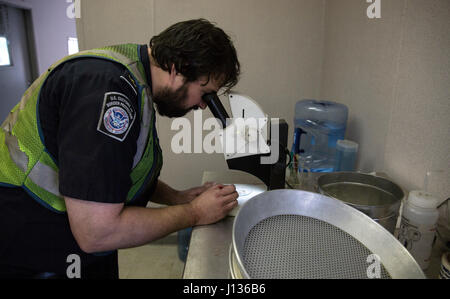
171,103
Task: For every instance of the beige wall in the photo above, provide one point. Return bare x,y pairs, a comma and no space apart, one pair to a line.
279,45
393,73
111,22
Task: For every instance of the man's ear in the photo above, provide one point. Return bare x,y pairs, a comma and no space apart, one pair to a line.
172,74
175,78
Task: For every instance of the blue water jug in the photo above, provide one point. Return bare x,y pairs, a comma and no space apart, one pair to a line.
318,127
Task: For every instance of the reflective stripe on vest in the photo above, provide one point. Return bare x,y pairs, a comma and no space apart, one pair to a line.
19,157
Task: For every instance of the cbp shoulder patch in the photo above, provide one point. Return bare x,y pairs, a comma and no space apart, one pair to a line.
117,116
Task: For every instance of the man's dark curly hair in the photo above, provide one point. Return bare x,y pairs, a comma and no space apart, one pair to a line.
197,48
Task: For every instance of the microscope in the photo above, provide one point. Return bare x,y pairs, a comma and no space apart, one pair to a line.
251,141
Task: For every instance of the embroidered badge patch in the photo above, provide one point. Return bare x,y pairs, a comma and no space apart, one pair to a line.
117,116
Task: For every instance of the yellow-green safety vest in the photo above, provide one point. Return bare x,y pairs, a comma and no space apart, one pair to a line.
24,160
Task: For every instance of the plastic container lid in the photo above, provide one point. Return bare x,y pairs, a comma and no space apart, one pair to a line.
347,145
422,199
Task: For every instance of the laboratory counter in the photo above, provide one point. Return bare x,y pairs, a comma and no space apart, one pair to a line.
208,254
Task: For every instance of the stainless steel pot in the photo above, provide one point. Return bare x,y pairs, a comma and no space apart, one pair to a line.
299,234
377,197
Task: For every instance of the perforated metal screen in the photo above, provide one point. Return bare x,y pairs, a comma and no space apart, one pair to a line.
300,247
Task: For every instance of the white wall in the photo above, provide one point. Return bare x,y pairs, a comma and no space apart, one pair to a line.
52,28
393,73
279,44
14,79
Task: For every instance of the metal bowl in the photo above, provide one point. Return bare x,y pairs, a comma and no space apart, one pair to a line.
377,197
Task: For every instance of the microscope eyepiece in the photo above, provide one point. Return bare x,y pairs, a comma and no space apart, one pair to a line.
216,107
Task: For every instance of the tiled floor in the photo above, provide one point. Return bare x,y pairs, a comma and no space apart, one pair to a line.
158,259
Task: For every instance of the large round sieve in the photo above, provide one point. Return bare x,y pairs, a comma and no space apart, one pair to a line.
299,234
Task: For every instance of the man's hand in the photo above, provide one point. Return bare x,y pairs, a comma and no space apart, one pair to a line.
164,194
214,204
189,195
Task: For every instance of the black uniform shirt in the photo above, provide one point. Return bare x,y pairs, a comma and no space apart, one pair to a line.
93,166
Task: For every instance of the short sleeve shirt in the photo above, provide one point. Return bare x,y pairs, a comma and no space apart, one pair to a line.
94,163
93,143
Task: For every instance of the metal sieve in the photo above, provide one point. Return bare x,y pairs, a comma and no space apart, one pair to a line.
299,234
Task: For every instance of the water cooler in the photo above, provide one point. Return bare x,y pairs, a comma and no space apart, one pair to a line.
318,127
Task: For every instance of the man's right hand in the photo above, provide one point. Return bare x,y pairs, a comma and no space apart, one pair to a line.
214,204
